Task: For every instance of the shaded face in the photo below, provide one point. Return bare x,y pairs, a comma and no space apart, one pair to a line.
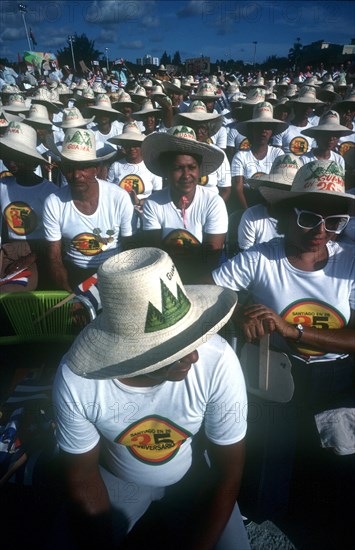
20,165
183,174
209,106
327,141
80,178
176,98
150,122
202,132
176,371
261,133
103,119
133,151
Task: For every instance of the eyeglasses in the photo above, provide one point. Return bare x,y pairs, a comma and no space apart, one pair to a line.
310,220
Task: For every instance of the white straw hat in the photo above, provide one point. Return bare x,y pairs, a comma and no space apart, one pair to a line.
262,114
79,147
146,109
20,138
253,96
16,104
72,118
6,118
49,98
326,92
98,88
149,319
320,178
103,104
125,99
139,94
329,122
10,89
197,114
180,140
130,132
174,86
37,115
307,95
206,91
282,173
157,91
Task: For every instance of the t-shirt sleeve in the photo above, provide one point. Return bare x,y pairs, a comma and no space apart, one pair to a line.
237,168
157,183
246,231
238,273
217,217
51,218
224,178
150,218
126,212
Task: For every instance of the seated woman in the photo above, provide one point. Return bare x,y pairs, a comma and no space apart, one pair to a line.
22,197
88,220
185,219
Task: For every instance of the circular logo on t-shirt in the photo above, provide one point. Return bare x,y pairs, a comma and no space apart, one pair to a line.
203,180
5,174
153,439
244,145
132,182
298,145
87,244
180,240
316,314
20,218
345,146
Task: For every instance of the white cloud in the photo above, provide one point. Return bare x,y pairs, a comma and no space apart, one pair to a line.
132,45
116,11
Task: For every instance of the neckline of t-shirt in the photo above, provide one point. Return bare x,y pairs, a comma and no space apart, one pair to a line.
137,389
291,267
98,204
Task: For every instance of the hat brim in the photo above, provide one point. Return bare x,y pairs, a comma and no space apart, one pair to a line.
13,147
99,354
169,87
256,183
140,115
304,101
274,196
157,143
214,120
277,125
66,125
121,138
101,155
15,109
328,129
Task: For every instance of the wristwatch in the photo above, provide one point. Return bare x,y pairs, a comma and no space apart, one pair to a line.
300,329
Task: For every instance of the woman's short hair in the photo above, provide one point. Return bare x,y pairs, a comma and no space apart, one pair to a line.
167,158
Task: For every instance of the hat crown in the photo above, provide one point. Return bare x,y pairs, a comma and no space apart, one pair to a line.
286,167
330,117
141,91
72,114
256,95
184,132
197,106
16,99
307,91
206,88
103,100
38,111
131,128
21,133
319,176
263,110
79,144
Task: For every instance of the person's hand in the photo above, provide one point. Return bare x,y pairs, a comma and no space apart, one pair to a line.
80,316
134,198
258,320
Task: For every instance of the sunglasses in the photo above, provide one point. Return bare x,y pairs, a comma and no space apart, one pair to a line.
310,220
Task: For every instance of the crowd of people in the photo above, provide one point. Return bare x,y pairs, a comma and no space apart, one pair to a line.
187,194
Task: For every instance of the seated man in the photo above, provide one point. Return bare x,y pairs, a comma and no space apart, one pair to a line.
139,391
88,220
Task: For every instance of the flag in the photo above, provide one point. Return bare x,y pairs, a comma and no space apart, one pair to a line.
89,290
33,38
19,278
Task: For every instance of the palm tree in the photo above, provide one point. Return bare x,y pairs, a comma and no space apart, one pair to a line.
295,53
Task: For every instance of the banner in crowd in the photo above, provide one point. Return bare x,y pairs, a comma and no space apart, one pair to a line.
198,65
40,60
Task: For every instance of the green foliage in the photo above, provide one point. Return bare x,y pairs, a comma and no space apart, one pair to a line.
84,50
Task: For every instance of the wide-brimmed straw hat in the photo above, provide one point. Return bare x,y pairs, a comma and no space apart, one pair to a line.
98,88
130,132
79,147
103,105
329,122
197,114
253,96
180,140
37,116
10,89
312,81
63,89
125,99
341,82
262,114
258,82
349,99
139,94
205,92
307,95
326,93
174,86
282,173
146,109
319,178
157,92
72,118
168,320
16,104
6,118
48,98
21,138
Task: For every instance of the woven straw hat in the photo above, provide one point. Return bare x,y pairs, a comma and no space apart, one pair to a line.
157,91
83,83
47,98
125,99
72,118
146,109
329,122
10,89
262,114
63,89
79,147
349,99
16,104
282,173
6,118
312,81
174,86
327,93
98,88
341,82
205,91
139,94
258,82
130,132
320,178
180,140
307,95
103,104
37,115
165,322
197,114
253,97
20,138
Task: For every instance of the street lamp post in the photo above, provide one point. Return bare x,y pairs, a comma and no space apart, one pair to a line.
71,39
255,43
23,10
106,50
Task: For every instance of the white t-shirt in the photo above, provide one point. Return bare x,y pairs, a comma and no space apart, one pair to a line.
256,226
245,164
134,176
219,178
292,141
309,157
22,207
116,129
206,214
346,142
235,139
220,138
322,298
88,240
146,433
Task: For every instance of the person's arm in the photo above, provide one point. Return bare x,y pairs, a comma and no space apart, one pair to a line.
227,463
167,111
238,187
57,270
88,499
225,193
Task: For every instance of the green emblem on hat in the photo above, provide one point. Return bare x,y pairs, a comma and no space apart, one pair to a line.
81,138
285,160
184,131
173,310
333,168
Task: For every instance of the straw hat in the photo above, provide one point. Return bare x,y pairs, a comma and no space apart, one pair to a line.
349,99
329,122
271,98
63,89
253,97
37,116
307,95
312,81
47,98
98,88
16,104
125,99
146,109
130,132
258,82
262,114
157,91
167,322
327,93
72,118
10,89
147,83
139,94
282,173
83,83
327,79
103,105
6,118
206,91
320,178
20,138
82,95
174,86
180,140
197,114
292,90
79,147
341,82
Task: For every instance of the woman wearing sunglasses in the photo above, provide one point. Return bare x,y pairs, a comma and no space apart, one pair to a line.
302,289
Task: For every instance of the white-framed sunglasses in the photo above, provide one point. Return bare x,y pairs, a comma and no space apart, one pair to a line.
332,224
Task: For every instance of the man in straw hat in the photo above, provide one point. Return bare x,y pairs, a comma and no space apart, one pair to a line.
88,220
303,294
151,384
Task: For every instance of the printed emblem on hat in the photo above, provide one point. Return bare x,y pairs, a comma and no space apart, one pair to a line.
153,439
21,218
298,145
90,244
184,132
173,309
345,146
79,140
313,313
326,179
132,182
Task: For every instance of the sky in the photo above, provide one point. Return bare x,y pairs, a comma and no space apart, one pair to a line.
217,29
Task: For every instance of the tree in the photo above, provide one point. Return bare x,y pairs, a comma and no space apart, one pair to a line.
165,59
295,53
176,59
84,50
